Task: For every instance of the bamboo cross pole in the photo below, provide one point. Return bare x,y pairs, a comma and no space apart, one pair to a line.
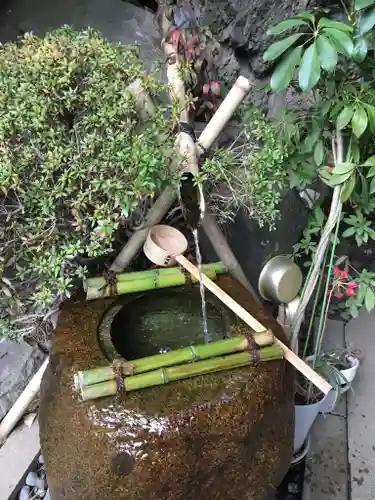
176,357
163,376
289,355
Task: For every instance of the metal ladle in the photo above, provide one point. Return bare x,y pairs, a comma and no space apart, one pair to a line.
165,245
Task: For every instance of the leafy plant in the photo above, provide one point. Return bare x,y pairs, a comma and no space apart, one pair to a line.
75,162
359,227
253,171
331,60
313,48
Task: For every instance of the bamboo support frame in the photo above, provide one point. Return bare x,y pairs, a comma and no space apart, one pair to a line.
165,375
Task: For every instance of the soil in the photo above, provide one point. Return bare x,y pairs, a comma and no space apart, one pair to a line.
221,436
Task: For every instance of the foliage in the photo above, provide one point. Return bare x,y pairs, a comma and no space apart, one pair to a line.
75,161
253,170
359,227
333,61
356,291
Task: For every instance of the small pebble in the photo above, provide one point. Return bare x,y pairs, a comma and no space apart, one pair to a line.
41,459
24,493
31,479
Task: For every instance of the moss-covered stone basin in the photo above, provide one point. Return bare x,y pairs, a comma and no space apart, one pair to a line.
216,437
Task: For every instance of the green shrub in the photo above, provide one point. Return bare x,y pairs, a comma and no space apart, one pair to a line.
252,173
75,161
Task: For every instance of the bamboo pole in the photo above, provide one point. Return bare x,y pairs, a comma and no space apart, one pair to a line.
168,196
224,252
23,402
297,362
165,375
148,283
99,281
176,357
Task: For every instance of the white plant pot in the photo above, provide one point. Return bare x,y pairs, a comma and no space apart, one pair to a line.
305,416
350,373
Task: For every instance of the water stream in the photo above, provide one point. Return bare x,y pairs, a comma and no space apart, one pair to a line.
207,337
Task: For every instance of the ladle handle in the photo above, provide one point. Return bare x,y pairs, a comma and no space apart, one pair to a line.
290,356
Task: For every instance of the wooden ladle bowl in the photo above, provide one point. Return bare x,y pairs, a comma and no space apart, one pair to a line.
163,244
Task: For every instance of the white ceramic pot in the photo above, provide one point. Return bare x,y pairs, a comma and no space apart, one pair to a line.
350,373
305,416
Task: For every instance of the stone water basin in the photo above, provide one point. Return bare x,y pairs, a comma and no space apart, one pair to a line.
222,436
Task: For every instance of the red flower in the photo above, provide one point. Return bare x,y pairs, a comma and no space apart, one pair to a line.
352,285
339,295
336,271
350,292
345,275
330,170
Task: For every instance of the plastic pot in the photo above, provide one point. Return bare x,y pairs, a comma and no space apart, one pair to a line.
350,373
305,416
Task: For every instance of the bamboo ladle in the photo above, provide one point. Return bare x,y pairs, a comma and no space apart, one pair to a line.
165,245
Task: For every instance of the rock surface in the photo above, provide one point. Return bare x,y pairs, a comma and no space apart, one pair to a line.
223,436
18,363
242,25
117,21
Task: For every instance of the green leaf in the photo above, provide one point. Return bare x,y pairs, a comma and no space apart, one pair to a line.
343,168
369,299
371,172
348,232
354,311
371,116
285,25
306,15
359,121
328,23
347,189
309,71
373,37
370,162
360,50
333,179
344,117
341,41
366,21
362,4
319,153
372,186
283,72
327,53
278,48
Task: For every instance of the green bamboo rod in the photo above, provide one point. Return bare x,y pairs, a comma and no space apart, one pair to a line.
163,376
99,281
148,283
176,357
